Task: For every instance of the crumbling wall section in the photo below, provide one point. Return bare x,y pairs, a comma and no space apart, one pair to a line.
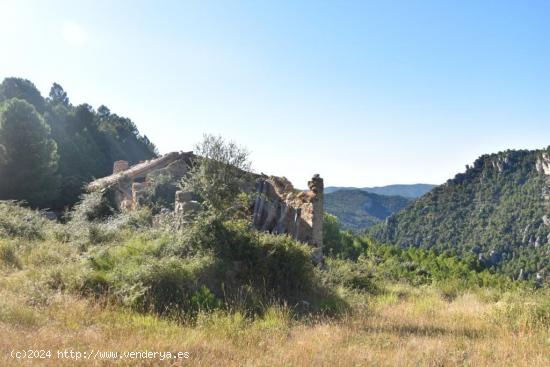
281,209
278,207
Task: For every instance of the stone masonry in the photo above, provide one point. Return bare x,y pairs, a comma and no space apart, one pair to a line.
278,207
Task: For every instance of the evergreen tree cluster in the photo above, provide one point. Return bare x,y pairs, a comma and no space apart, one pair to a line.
50,148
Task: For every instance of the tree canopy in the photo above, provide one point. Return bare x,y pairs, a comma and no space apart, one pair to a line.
87,141
219,173
28,169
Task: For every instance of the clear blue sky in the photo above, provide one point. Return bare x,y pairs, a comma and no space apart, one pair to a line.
364,93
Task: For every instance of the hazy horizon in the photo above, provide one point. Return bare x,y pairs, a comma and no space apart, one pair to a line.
363,93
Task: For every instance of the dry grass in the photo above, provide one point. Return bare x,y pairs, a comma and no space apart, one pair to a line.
404,327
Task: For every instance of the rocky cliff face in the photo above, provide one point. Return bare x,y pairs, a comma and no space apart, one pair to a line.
543,167
543,164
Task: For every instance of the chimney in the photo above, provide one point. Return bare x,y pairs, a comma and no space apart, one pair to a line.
316,186
120,166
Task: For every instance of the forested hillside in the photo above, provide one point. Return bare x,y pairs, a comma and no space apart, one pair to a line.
358,210
498,209
49,148
410,191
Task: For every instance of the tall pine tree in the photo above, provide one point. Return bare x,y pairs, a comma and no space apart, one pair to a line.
29,165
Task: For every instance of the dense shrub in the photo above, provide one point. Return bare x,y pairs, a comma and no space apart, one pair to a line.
163,285
449,273
8,255
93,221
160,192
357,275
92,206
21,222
130,259
341,244
209,264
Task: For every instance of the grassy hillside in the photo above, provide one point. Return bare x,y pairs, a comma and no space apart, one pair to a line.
357,209
405,326
95,286
495,210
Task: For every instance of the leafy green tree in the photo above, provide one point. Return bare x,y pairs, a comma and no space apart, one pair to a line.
332,235
341,244
30,159
219,173
81,149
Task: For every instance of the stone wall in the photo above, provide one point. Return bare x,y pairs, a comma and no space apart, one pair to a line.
129,183
316,186
280,209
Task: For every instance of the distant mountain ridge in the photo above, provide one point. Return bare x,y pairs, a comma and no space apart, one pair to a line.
497,210
411,191
357,209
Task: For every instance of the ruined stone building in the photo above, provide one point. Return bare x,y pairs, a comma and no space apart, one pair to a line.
127,184
278,207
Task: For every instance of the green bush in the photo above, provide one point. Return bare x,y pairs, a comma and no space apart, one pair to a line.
47,253
168,284
353,275
161,191
92,206
8,255
135,273
278,265
18,221
341,244
204,300
207,265
419,266
87,226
